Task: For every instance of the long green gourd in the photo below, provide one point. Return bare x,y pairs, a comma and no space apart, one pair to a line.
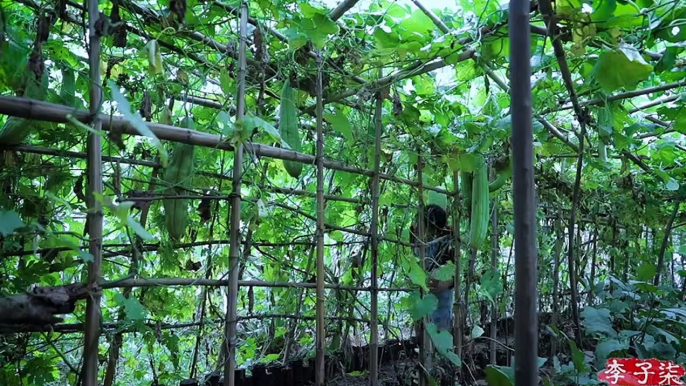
288,127
480,206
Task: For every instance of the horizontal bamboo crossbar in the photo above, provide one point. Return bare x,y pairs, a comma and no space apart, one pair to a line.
170,282
153,164
52,112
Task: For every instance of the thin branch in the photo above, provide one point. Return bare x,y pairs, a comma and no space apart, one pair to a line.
665,239
621,96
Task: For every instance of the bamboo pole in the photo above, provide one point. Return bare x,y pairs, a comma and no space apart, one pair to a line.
320,374
51,112
235,235
171,282
95,214
424,349
526,251
374,336
458,305
495,253
153,164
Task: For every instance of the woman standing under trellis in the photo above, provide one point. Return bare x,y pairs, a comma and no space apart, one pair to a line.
438,251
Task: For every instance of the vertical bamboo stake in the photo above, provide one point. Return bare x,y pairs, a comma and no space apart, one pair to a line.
424,348
495,251
235,236
319,362
526,249
95,215
374,344
457,305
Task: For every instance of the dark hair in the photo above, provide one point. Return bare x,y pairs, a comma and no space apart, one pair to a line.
435,216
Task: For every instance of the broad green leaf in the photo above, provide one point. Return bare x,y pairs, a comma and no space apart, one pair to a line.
496,377
621,68
138,228
416,273
607,348
420,307
604,10
340,123
597,321
337,235
646,271
443,342
251,121
227,83
477,331
133,309
437,198
9,222
296,39
578,358
444,273
154,56
468,162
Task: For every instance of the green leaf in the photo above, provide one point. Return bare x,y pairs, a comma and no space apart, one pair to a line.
340,123
437,198
308,11
443,342
337,235
496,377
468,162
597,321
621,68
604,10
605,349
133,309
138,228
137,121
296,39
226,83
445,272
154,56
325,25
416,274
9,222
251,121
420,307
646,272
477,331
668,59
578,358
